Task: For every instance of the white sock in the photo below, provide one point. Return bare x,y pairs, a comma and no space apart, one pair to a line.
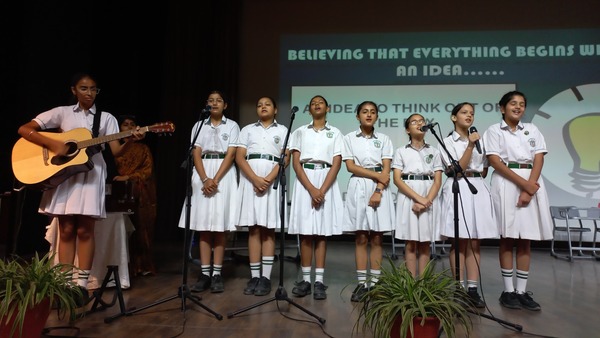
522,281
255,270
319,273
217,269
83,277
306,273
374,277
267,266
205,269
362,276
507,277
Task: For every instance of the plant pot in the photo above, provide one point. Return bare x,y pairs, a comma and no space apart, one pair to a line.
430,329
35,320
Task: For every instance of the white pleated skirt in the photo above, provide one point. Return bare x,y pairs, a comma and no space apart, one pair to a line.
261,209
409,226
217,212
359,216
324,221
531,222
81,194
478,220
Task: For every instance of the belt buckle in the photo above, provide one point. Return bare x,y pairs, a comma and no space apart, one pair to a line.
265,157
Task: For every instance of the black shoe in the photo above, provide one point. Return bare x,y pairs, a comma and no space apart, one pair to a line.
202,284
216,284
264,287
510,300
527,302
320,293
81,298
476,300
359,293
251,286
301,289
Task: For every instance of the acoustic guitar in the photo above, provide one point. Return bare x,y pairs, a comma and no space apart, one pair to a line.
40,168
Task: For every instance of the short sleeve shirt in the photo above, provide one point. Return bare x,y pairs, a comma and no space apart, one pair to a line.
457,146
317,146
260,140
519,146
367,152
424,161
216,139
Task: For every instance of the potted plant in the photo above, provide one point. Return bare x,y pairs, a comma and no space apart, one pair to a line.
30,286
400,304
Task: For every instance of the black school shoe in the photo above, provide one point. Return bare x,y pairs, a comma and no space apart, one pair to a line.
202,284
510,300
527,302
251,286
359,293
301,289
319,293
216,284
475,299
264,287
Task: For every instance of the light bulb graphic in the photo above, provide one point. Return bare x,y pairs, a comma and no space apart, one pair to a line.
582,139
570,123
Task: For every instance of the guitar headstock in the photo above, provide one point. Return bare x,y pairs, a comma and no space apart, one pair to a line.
163,127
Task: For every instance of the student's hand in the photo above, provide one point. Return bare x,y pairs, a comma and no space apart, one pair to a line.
424,201
58,147
211,186
531,187
375,200
317,197
418,208
384,179
138,133
524,199
260,184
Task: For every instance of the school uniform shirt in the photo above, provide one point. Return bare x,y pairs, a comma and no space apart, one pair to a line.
264,147
317,148
218,211
476,216
520,146
424,161
367,152
83,193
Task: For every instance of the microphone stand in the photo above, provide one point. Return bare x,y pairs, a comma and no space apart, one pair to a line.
280,293
456,169
184,291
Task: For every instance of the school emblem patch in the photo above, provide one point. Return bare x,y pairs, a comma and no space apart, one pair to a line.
377,143
429,158
329,134
531,142
277,139
225,136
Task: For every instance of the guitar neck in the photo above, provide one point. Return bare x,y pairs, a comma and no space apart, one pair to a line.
107,138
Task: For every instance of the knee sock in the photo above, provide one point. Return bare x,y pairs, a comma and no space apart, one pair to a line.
522,281
319,273
374,277
255,270
267,266
507,276
83,277
205,270
362,276
306,273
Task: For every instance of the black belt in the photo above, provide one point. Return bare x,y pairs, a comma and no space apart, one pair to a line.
263,157
375,169
467,173
514,165
314,166
417,177
213,156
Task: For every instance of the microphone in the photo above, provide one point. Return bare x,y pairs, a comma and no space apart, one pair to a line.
477,144
428,126
207,109
294,109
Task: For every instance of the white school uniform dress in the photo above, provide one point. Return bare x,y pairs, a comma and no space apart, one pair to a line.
426,161
520,146
317,149
263,149
217,212
83,193
367,153
478,220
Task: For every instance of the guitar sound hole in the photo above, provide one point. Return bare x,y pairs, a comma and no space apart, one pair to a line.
71,153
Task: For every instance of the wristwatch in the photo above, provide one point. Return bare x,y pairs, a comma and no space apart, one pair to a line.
378,190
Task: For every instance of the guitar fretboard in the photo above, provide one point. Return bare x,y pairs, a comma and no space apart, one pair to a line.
107,138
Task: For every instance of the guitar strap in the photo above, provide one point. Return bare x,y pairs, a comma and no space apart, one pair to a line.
95,131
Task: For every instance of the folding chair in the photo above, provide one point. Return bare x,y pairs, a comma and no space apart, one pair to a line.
570,214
